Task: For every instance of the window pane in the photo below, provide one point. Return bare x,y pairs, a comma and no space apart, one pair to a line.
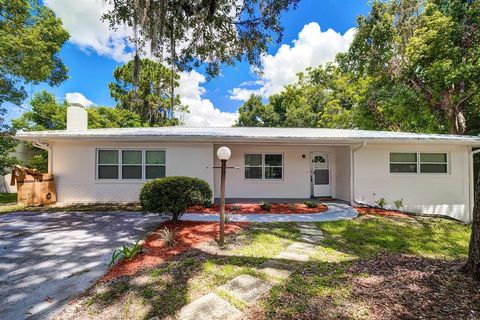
107,172
155,157
107,156
273,160
433,157
153,172
433,168
400,167
403,157
253,172
253,159
131,157
131,172
273,172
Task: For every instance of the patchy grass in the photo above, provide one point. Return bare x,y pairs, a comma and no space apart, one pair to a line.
89,207
8,198
366,268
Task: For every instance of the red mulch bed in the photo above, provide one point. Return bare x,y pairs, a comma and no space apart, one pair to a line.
381,212
188,234
246,208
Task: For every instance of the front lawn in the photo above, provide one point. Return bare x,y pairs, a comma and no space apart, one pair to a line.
367,268
8,198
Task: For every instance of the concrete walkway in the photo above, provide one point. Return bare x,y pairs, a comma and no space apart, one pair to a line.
248,289
336,211
47,258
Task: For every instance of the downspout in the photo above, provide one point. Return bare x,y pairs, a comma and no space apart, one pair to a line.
48,148
471,183
352,170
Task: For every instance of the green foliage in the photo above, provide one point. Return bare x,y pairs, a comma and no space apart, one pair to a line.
126,252
8,198
398,204
168,237
148,95
310,204
214,32
39,162
265,206
173,195
381,202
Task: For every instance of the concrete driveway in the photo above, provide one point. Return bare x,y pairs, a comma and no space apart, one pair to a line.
48,258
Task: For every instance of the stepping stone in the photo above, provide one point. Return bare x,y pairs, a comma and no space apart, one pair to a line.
275,269
292,255
302,247
209,307
311,239
307,226
311,232
246,288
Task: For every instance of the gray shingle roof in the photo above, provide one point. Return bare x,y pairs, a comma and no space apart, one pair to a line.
245,134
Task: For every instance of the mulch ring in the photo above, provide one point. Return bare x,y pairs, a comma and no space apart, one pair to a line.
254,208
381,212
188,234
397,286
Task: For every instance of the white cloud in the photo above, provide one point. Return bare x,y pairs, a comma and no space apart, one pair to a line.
77,97
312,48
82,19
202,112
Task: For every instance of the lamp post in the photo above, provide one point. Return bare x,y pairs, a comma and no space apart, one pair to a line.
223,153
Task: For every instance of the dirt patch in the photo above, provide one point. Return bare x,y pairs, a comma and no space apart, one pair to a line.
246,208
396,286
188,234
381,212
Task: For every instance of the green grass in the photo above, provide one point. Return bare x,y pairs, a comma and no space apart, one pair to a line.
319,288
8,198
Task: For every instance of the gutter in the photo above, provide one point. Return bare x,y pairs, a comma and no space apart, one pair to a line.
352,171
47,147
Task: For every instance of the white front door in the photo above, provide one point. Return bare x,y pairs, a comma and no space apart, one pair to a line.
320,174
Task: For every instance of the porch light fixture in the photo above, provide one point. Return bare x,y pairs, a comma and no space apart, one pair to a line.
223,154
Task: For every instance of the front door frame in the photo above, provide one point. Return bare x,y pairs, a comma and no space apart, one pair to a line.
327,192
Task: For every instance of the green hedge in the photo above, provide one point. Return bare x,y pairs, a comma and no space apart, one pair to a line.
173,195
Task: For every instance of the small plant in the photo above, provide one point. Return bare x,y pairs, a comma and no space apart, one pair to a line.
227,218
265,206
381,202
168,236
310,204
292,206
235,208
398,204
125,252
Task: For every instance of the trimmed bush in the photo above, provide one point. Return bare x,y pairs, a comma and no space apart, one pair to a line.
173,195
310,204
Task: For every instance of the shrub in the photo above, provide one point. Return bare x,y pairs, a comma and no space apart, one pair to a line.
292,206
310,204
235,208
398,204
173,195
381,202
265,206
208,203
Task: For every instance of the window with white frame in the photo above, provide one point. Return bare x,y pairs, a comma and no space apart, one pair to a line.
418,162
268,166
130,164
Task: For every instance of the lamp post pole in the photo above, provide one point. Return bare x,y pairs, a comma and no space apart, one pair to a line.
222,201
223,154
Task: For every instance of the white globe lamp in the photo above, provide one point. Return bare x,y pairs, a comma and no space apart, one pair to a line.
224,153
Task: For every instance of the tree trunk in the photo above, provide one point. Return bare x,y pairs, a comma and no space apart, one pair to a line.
472,268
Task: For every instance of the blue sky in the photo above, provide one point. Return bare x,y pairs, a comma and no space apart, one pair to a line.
93,52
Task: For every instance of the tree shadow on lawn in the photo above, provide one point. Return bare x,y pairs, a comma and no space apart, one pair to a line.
351,276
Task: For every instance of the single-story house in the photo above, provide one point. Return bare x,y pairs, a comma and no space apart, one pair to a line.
431,173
